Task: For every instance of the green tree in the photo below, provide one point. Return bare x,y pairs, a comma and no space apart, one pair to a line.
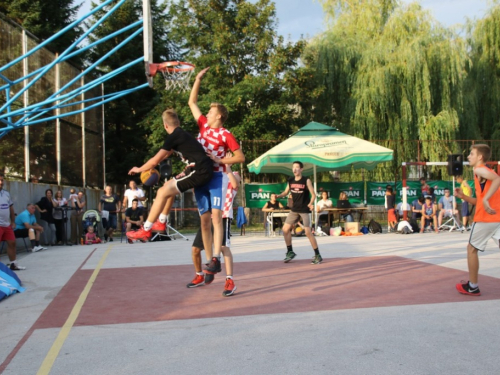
45,18
399,77
482,86
126,141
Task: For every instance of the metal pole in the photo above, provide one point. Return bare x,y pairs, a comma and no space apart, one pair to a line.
84,162
103,140
27,171
58,125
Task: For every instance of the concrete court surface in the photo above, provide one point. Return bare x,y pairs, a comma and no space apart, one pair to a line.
378,304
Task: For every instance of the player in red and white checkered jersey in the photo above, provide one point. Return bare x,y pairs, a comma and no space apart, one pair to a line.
218,142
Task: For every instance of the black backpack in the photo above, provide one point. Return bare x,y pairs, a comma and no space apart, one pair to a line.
374,227
414,225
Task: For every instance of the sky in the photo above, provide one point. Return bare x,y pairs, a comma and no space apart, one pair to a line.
305,18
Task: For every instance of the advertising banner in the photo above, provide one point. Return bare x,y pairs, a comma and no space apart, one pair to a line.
354,190
257,195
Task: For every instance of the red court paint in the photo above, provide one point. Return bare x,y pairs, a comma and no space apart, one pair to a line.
146,294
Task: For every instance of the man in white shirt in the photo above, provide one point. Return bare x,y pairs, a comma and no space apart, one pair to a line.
133,193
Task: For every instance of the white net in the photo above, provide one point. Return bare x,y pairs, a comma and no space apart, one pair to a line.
177,76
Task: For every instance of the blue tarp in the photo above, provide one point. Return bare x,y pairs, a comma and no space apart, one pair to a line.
9,282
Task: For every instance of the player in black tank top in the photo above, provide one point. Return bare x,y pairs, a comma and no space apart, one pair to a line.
303,196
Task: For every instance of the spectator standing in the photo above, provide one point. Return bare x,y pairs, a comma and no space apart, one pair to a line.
26,226
109,205
78,202
7,225
59,216
467,191
134,192
424,187
390,202
46,206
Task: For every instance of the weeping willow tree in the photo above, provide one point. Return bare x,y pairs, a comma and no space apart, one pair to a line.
390,72
483,81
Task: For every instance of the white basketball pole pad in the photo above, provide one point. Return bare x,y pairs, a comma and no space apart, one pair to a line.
148,38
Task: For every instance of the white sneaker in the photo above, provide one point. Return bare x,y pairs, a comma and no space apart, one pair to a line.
37,248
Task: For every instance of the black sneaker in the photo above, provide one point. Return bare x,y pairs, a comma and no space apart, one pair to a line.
317,259
465,288
209,277
289,256
214,266
15,267
110,239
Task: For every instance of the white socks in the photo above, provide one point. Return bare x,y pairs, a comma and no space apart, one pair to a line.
148,225
163,218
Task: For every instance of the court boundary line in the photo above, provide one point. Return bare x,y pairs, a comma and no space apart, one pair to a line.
56,347
15,350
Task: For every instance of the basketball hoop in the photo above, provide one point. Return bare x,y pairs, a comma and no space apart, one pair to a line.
176,74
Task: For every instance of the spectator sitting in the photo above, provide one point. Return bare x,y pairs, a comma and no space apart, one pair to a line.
91,237
429,215
133,217
345,214
400,208
272,205
46,207
320,207
26,226
447,207
132,193
416,207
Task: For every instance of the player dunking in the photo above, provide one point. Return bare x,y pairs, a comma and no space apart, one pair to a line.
303,197
217,141
199,172
487,217
233,181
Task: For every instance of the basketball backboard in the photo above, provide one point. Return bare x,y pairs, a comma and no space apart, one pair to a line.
148,39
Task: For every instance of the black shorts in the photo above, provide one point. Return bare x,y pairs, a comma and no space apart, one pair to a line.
226,225
21,233
194,177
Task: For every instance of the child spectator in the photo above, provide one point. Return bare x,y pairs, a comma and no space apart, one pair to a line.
91,237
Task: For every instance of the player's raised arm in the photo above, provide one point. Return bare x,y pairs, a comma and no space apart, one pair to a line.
193,97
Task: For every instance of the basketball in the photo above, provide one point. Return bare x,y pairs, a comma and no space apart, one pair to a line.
150,178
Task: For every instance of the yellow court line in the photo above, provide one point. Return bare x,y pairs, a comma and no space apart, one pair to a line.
49,360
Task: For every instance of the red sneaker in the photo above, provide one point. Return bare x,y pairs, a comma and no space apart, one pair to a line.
229,288
198,280
139,234
159,226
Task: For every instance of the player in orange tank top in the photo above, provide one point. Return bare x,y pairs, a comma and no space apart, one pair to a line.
487,217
